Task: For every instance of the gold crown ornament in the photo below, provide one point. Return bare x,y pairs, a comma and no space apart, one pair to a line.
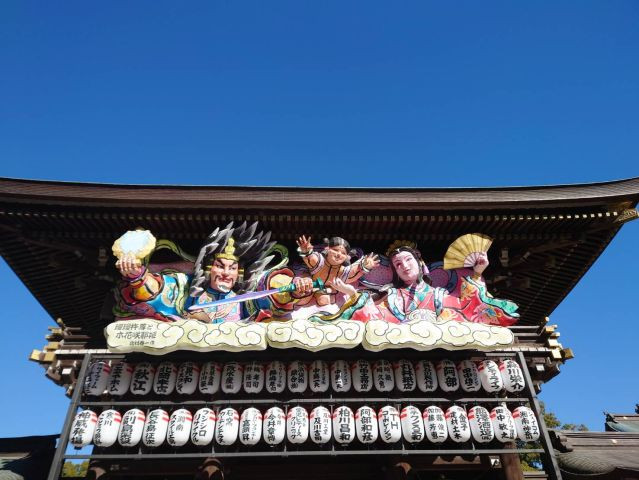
229,251
399,244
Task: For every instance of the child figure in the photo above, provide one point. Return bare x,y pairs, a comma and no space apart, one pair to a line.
333,263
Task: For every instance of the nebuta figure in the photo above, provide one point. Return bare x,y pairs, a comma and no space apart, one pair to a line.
410,292
232,260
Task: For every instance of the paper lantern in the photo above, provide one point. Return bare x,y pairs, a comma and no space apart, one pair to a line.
412,424
120,379
179,429
131,427
250,426
210,377
362,376
297,377
503,424
232,374
404,376
526,424
297,425
275,377
165,377
155,428
457,423
83,428
366,426
274,426
320,425
426,376
97,377
340,376
319,375
383,376
203,428
468,376
227,427
253,377
142,379
512,376
447,376
490,376
343,425
389,422
435,424
187,378
107,428
480,425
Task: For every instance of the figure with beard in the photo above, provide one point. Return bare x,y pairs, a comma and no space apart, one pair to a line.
232,260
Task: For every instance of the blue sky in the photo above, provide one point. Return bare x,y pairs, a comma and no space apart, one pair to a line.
331,94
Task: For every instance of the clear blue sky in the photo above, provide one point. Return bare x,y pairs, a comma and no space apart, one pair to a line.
331,94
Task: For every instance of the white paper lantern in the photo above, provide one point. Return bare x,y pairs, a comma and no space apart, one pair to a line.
179,429
340,376
232,374
343,425
107,428
526,424
447,376
480,425
404,376
297,377
389,422
320,425
412,424
120,379
468,376
155,428
131,427
274,426
457,423
210,377
426,376
319,376
203,427
297,425
512,376
97,377
227,427
187,378
366,425
83,428
275,377
435,424
362,376
250,426
383,376
142,379
503,424
253,377
165,377
490,376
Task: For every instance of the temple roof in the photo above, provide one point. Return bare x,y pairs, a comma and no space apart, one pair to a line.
57,236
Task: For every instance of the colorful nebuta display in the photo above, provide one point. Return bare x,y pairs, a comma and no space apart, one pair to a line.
332,263
388,302
410,292
232,261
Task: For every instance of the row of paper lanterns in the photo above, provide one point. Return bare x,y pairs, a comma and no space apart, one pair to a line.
318,376
297,426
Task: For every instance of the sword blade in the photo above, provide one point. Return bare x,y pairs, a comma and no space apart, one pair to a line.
236,299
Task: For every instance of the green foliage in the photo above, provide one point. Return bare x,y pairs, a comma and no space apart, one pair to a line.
75,470
532,461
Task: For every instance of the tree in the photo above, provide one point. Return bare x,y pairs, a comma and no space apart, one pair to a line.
532,461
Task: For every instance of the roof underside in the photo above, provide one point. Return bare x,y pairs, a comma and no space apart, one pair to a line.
57,236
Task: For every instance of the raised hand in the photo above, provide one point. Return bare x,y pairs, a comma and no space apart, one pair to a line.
129,266
341,286
305,244
370,261
481,263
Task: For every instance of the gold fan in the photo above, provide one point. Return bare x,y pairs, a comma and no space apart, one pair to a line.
464,251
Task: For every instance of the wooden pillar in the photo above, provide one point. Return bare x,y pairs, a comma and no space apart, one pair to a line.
510,464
